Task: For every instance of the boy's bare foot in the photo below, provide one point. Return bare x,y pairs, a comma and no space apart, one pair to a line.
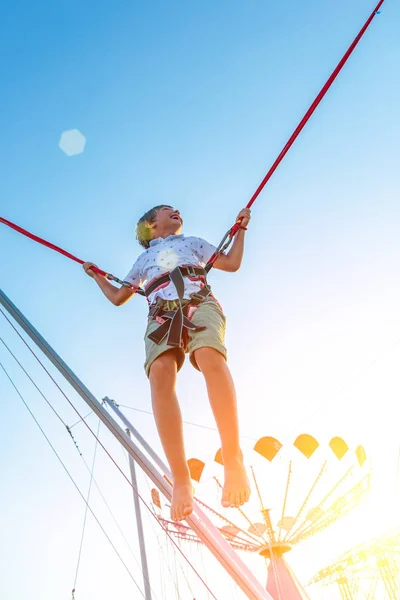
236,490
182,500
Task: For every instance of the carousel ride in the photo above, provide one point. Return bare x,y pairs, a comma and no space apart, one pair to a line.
301,489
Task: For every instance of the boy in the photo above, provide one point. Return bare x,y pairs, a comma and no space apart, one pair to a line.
185,317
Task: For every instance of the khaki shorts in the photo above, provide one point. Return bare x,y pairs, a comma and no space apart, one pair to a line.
209,314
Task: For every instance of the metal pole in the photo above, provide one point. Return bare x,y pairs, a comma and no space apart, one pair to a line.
139,525
159,462
198,521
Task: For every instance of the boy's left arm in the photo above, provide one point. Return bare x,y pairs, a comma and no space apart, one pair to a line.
233,259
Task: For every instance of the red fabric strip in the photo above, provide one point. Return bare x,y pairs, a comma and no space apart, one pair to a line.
313,106
35,238
234,229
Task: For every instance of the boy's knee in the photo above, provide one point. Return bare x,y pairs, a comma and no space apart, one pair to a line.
209,359
163,370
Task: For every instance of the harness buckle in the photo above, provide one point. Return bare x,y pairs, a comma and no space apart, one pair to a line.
190,269
156,308
199,297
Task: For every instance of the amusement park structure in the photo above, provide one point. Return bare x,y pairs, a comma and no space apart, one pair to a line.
332,487
151,464
310,487
368,571
308,504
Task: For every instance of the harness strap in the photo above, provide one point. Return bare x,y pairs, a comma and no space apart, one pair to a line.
186,271
176,320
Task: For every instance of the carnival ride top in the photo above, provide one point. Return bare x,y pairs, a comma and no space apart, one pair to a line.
308,488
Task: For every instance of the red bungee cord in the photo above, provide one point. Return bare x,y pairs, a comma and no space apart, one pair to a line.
35,238
235,228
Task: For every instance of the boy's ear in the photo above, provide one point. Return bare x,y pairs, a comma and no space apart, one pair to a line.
150,224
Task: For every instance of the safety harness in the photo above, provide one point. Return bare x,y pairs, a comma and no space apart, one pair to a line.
175,323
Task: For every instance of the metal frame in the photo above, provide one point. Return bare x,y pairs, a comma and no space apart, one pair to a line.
198,520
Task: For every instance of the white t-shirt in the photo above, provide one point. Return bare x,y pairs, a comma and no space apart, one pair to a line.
163,256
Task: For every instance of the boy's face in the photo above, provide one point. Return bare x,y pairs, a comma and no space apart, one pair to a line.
168,220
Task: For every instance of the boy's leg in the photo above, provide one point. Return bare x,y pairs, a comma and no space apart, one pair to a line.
168,419
221,392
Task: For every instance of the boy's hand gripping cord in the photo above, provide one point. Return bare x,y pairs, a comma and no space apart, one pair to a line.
226,241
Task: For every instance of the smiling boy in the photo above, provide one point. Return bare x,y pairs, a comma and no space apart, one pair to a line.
185,317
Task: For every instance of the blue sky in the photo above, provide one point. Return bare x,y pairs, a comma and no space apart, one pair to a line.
189,103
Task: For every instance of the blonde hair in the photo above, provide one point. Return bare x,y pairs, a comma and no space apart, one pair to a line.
144,233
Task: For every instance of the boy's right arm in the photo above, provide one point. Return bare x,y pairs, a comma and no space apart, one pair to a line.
117,296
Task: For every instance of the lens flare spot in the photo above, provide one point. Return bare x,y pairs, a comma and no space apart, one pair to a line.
167,259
